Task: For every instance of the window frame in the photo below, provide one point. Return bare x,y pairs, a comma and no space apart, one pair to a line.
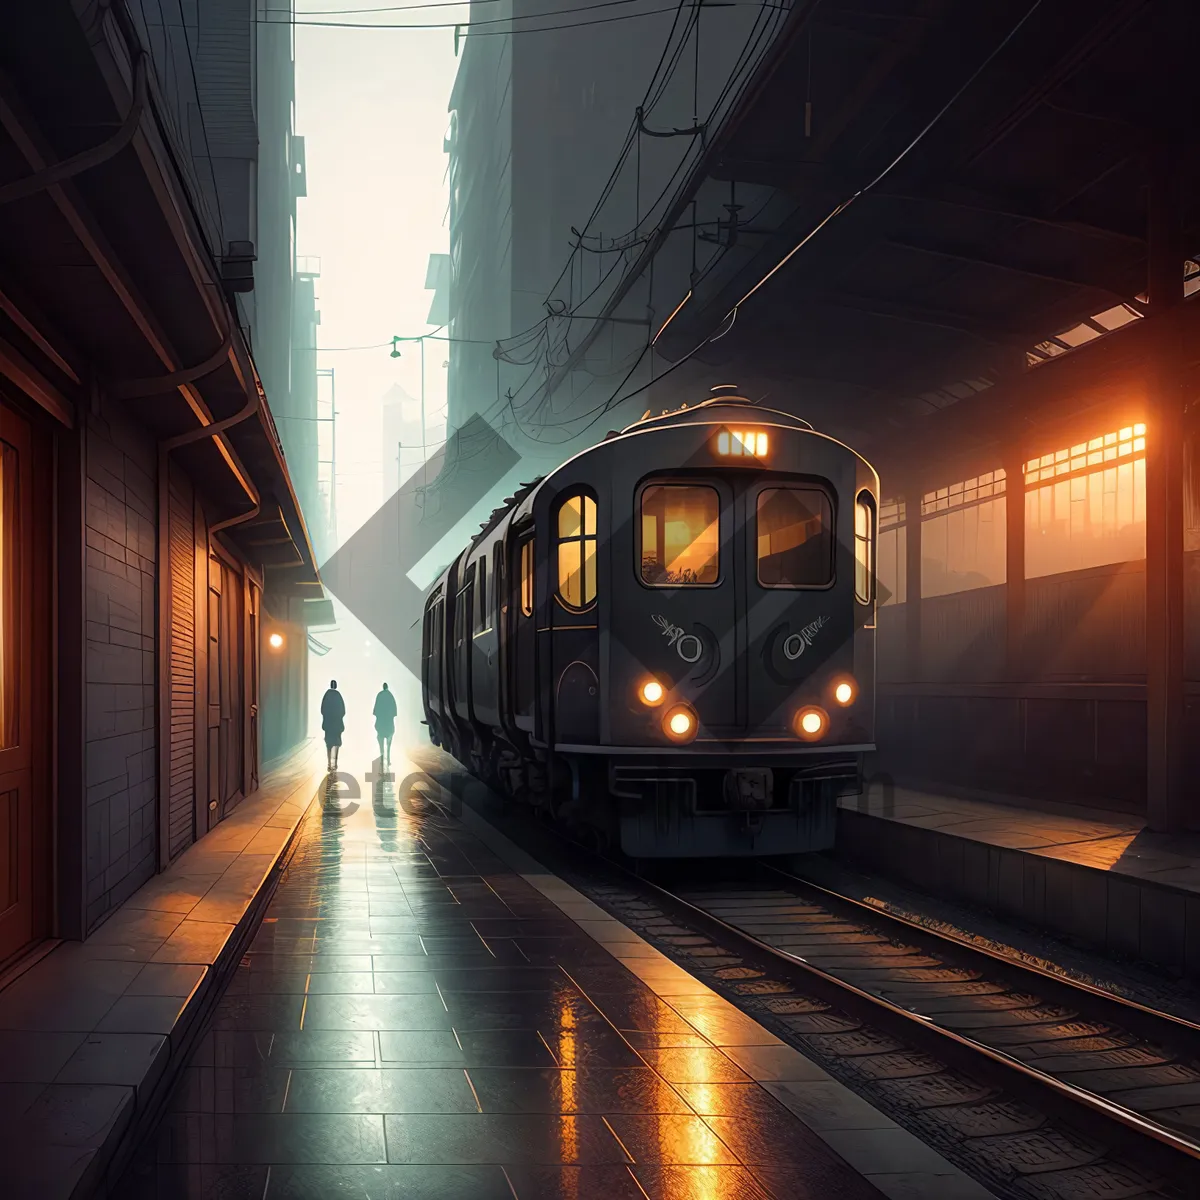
527,578
675,481
498,591
864,499
581,539
479,609
831,500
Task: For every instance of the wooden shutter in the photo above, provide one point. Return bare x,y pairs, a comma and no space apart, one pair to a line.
181,682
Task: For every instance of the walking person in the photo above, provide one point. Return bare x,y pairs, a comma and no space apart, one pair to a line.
333,722
385,722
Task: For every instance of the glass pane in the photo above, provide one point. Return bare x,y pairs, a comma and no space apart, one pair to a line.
10,559
589,570
680,534
589,516
862,551
568,517
569,582
795,538
527,579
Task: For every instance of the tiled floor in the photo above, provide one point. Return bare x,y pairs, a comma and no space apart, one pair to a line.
415,1018
87,1032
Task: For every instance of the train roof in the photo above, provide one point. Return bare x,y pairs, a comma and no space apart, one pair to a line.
719,408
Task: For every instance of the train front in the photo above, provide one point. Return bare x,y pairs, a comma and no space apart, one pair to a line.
741,652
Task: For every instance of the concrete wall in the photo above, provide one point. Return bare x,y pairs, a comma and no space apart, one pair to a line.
119,770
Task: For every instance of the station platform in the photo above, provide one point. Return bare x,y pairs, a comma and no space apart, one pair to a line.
1098,878
92,1032
425,1011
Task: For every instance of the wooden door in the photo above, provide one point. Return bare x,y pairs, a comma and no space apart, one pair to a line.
25,649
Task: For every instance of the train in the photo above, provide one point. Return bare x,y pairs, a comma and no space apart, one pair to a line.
667,644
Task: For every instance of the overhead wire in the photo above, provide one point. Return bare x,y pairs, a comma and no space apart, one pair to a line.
473,28
731,316
747,53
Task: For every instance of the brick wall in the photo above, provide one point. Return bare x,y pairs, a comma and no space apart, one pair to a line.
119,670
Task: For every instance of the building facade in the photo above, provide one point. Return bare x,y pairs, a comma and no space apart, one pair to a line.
566,149
151,537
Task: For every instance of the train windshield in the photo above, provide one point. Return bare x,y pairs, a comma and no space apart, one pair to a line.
681,535
795,538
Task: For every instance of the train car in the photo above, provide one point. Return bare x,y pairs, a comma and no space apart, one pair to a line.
668,643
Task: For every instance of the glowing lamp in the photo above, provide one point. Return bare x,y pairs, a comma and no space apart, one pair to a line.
742,443
651,693
811,723
275,641
844,692
680,724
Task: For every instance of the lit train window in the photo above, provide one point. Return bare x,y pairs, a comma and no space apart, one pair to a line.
795,538
864,548
527,578
577,551
681,535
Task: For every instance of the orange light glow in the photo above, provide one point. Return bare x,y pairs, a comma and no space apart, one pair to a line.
811,723
742,443
275,640
680,724
651,693
844,692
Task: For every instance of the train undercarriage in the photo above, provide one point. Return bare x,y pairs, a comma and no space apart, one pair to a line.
726,808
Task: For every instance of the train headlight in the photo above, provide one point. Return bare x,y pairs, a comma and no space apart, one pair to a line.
811,723
680,724
651,693
844,692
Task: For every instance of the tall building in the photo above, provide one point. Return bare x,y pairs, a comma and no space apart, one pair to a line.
566,150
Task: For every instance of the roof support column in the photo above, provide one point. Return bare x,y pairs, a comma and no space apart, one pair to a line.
1166,807
1014,561
912,579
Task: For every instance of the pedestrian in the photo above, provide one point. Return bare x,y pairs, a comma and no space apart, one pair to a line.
333,722
385,722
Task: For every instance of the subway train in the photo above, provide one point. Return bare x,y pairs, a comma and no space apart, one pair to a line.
667,644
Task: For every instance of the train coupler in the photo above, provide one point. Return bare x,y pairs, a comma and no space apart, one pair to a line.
749,789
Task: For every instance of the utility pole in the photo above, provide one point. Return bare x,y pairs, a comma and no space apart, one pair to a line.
331,461
424,453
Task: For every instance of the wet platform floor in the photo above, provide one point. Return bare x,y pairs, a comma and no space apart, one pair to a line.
416,1019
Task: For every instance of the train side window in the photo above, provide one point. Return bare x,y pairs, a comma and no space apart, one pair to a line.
527,578
864,548
681,535
577,551
481,622
795,538
498,582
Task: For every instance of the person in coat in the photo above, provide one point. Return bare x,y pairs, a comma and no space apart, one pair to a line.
333,722
385,722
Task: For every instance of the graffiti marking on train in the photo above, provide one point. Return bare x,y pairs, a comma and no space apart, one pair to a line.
687,645
796,644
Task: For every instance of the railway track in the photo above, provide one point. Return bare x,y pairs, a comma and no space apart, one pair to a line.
1135,1059
954,1042
1039,1087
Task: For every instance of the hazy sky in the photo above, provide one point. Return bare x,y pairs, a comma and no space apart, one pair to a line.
371,105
